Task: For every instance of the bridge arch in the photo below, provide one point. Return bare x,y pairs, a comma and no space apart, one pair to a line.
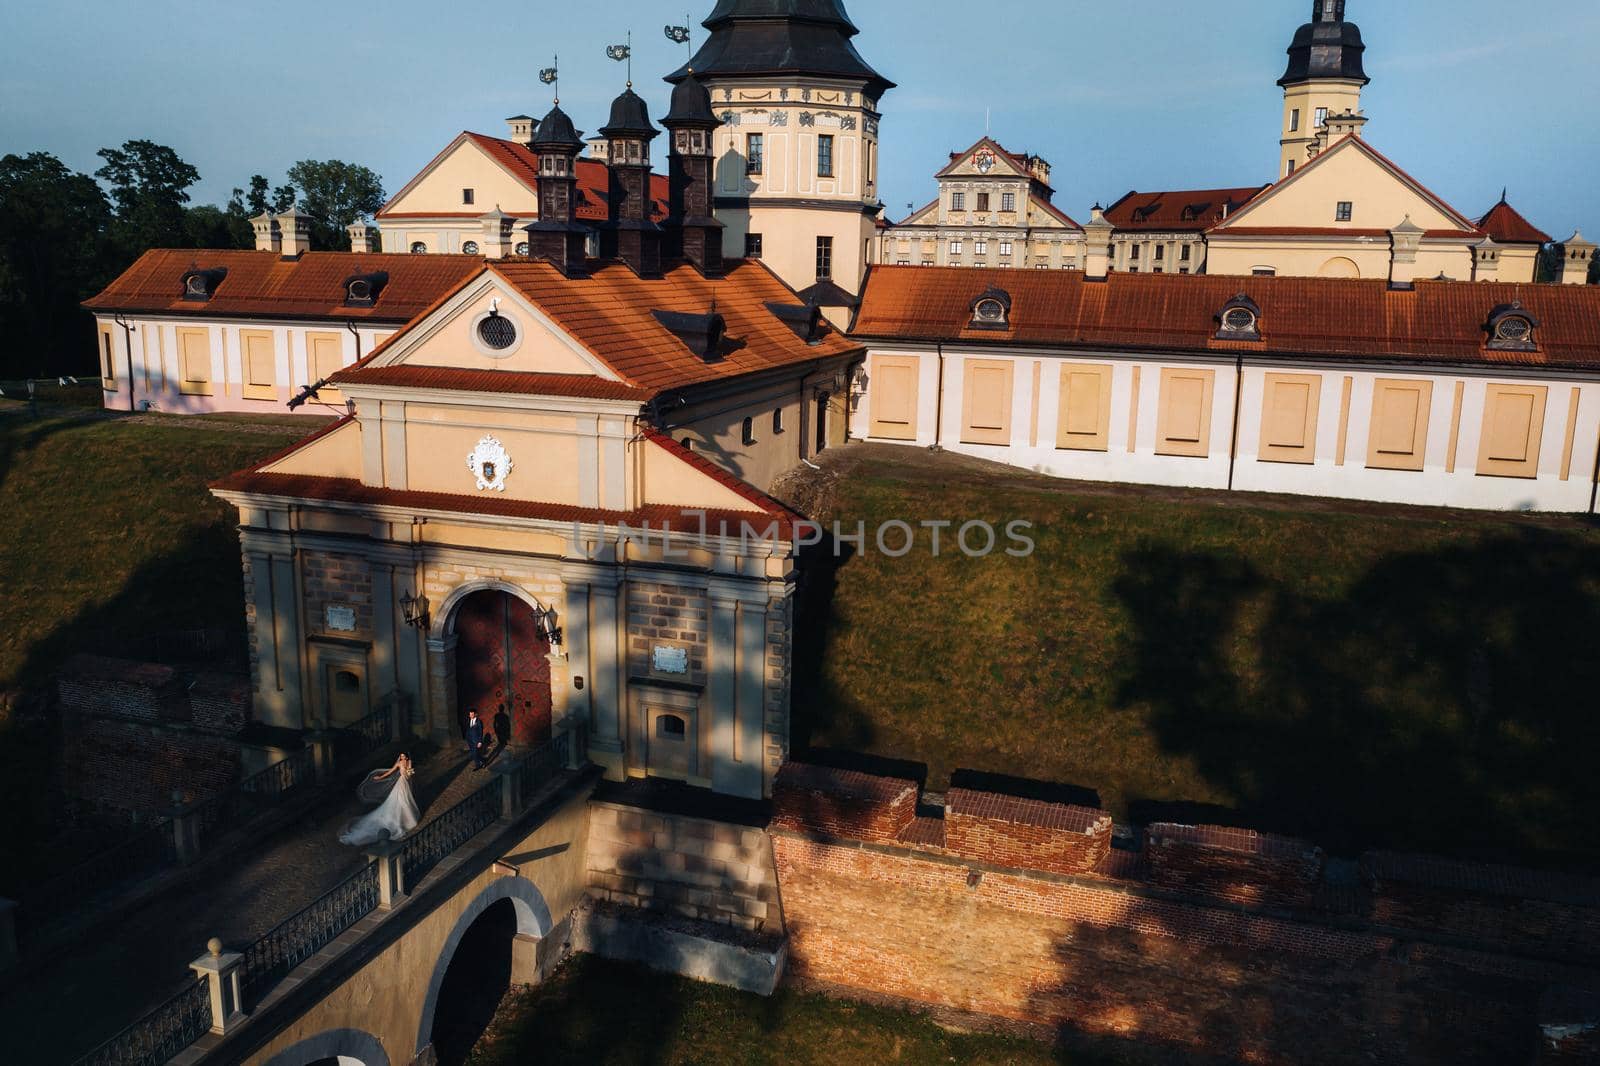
533,922
347,1047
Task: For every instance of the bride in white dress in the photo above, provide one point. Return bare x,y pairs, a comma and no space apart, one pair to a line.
395,817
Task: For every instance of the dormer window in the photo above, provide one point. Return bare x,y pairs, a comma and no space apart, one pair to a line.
804,319
1511,329
705,335
1240,320
361,290
201,285
992,310
419,248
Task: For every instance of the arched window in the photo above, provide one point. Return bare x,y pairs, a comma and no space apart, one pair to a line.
470,248
749,431
419,248
777,420
671,727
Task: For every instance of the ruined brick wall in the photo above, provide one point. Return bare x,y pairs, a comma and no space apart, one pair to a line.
845,803
1026,833
219,703
693,867
1234,864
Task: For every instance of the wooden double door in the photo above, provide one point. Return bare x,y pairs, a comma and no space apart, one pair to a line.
502,668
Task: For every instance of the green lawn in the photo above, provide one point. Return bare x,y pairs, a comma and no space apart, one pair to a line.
594,1011
109,533
1365,675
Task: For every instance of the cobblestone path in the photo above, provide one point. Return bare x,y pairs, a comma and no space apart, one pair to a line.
93,989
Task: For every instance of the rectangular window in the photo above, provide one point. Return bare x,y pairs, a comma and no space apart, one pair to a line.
754,152
1183,253
983,201
980,247
1397,438
1084,412
108,366
955,248
752,246
1184,423
902,262
1290,169
824,258
986,401
1263,272
1345,211
1289,418
1133,252
825,156
1008,201
1005,248
1294,121
260,364
468,196
1161,253
777,420
958,201
1513,430
894,397
1321,117
194,362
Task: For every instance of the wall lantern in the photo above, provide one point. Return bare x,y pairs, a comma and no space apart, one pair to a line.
415,610
544,618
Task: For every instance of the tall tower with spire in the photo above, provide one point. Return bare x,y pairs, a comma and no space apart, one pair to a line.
795,171
1324,79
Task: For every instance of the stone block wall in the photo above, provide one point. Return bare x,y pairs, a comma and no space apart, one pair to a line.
1031,834
1494,904
658,613
1234,864
779,668
842,803
329,580
691,867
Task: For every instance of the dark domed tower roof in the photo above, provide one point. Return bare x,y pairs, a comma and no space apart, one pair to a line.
556,131
1326,47
757,38
630,117
691,105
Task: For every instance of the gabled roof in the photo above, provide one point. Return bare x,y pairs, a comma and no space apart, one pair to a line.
1507,226
1436,322
610,314
1350,142
1018,161
1181,210
266,285
522,163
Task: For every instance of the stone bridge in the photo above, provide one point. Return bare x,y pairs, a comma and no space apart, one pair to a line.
383,992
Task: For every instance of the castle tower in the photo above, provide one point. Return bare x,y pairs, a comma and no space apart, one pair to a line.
692,231
796,158
1324,79
558,235
631,235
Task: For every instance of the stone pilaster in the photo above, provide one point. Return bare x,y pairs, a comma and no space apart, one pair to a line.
220,969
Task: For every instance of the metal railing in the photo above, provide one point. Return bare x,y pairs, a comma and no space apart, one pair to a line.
365,736
148,851
297,938
161,1034
547,761
422,851
249,796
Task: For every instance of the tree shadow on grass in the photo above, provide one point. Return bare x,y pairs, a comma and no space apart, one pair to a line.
819,707
1443,702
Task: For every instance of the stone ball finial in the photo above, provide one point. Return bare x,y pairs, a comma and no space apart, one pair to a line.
214,945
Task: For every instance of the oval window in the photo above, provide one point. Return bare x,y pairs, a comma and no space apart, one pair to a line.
1514,329
360,289
1239,320
497,332
470,248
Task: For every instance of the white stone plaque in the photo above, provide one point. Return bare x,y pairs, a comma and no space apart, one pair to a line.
341,619
667,660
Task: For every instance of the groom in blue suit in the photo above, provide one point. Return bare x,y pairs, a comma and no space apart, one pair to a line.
475,738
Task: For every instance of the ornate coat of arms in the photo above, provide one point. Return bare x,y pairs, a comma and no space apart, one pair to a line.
490,464
983,160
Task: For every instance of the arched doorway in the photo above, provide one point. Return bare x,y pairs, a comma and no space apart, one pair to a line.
477,978
502,668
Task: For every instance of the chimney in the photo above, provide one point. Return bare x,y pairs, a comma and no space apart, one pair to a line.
269,237
630,233
1405,241
296,230
1576,256
1486,260
521,128
1097,253
692,233
363,237
497,236
558,236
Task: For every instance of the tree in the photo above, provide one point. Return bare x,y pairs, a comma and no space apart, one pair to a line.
207,226
149,184
54,229
335,194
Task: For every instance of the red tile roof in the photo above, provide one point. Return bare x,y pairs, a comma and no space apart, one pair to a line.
1438,321
452,379
742,488
1507,226
1183,210
266,285
523,164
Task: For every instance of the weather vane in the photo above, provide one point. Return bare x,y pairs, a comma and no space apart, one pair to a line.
680,35
552,76
623,53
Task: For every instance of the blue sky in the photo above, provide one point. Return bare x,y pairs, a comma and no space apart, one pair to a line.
1468,95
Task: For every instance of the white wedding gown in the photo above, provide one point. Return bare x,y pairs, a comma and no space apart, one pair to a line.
396,816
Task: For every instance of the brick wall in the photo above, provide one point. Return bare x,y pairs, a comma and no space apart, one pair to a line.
659,613
336,580
842,803
1026,833
1495,904
1235,864
219,703
693,867
120,688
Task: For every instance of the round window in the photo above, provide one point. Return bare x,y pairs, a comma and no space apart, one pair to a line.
991,311
1513,329
497,332
196,285
360,290
524,248
1239,320
419,248
470,248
